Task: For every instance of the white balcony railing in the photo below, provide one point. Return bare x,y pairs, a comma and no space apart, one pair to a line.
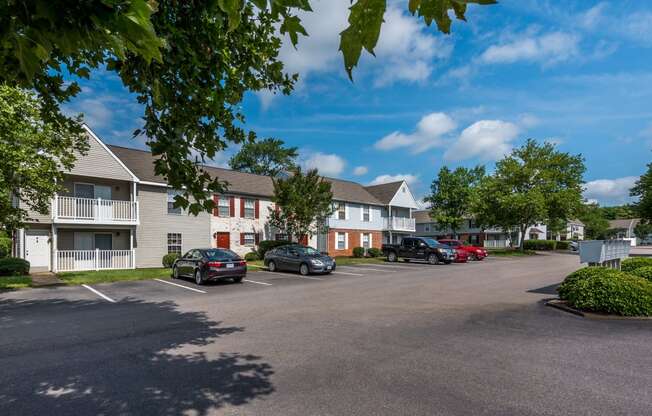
86,210
496,243
400,224
80,260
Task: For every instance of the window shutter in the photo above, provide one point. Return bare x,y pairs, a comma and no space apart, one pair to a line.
361,240
232,206
346,211
242,213
242,236
257,237
361,212
215,210
371,239
346,241
257,209
370,213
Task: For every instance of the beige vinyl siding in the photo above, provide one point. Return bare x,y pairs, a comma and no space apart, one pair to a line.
156,223
35,217
120,190
98,162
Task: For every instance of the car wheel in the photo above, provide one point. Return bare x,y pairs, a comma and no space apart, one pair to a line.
271,266
199,279
432,259
237,279
473,257
406,260
304,270
175,272
391,257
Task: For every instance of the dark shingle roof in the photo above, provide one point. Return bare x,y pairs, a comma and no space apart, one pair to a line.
140,162
384,192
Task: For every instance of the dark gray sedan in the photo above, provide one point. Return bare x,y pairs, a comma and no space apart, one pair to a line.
298,258
205,264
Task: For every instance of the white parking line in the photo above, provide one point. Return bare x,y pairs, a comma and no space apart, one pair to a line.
178,285
258,283
257,266
368,268
98,293
347,273
311,278
387,266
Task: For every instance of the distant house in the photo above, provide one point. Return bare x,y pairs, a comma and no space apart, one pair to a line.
574,231
624,228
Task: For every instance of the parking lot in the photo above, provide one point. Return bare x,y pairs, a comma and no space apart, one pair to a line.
381,339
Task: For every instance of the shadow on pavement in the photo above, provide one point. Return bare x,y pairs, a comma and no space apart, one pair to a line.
90,357
546,290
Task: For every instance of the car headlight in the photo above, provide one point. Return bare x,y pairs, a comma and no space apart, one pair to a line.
317,262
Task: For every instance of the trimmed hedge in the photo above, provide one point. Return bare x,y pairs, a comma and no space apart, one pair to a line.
374,252
634,263
644,272
358,252
168,259
563,245
266,245
253,256
13,266
603,290
541,245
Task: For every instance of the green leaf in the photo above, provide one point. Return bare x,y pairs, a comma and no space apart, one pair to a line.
365,20
232,8
292,26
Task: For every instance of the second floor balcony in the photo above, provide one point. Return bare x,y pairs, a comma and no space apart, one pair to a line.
74,210
399,224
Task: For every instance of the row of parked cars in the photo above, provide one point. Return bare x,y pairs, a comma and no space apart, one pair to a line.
203,265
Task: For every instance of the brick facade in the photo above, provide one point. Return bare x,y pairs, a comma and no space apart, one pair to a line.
354,240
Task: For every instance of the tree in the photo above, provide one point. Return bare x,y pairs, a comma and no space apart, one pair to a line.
643,190
452,195
595,223
266,157
303,202
188,62
619,212
534,184
34,153
643,230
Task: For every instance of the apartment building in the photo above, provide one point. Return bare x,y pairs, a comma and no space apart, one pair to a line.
116,213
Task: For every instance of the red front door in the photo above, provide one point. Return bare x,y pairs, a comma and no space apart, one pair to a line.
303,240
223,240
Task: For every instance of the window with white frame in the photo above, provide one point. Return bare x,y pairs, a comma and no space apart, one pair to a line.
341,211
426,227
366,240
366,213
171,208
282,237
174,243
249,239
223,206
249,208
340,241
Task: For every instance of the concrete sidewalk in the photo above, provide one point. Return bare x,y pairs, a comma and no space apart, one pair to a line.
45,279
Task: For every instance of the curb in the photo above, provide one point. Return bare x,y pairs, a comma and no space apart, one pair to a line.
563,306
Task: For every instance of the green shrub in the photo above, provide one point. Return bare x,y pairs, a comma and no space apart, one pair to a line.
563,245
266,245
645,272
358,251
168,259
618,293
542,245
13,266
253,256
634,263
5,245
581,274
374,252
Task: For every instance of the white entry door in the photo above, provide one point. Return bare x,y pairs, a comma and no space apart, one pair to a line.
37,248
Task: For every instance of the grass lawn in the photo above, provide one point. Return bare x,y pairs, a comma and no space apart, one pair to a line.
503,252
14,282
105,276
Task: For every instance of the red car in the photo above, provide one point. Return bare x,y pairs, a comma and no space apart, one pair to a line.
461,256
474,253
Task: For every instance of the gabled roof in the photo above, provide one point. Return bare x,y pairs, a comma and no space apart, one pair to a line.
385,192
624,224
422,217
141,162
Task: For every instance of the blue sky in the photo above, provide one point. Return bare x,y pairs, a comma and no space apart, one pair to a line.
575,72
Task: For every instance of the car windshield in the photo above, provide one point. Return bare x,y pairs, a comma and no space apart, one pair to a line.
307,251
221,254
431,243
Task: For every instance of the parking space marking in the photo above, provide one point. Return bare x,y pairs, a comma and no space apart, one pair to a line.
258,283
257,266
100,294
178,285
388,267
348,274
311,278
368,268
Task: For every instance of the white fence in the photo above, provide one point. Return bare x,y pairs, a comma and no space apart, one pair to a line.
400,224
95,210
496,243
79,260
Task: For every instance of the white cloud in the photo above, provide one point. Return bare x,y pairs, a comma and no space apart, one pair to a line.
360,170
529,120
592,17
96,113
326,164
409,178
428,134
547,48
485,139
610,190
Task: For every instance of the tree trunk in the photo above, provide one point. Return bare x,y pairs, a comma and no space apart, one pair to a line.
521,242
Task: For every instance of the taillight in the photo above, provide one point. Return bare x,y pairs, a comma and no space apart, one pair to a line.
242,263
216,264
